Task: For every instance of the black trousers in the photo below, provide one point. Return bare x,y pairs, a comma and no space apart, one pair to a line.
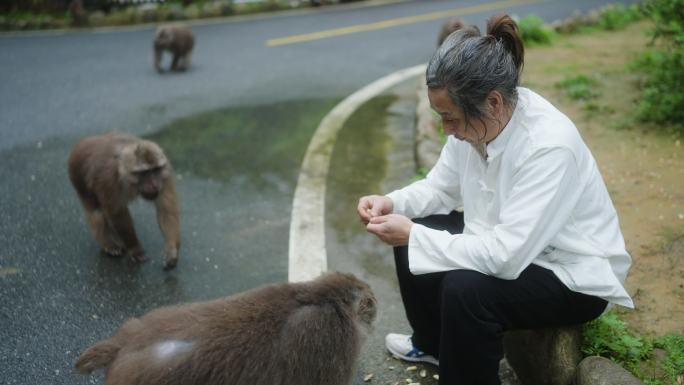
460,316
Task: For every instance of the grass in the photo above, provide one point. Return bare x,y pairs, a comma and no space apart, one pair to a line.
608,336
579,87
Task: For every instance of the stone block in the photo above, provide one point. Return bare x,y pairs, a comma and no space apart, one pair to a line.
544,356
602,371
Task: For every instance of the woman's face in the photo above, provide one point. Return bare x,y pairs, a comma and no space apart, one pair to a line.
477,131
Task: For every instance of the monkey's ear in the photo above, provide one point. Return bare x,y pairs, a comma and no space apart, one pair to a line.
366,307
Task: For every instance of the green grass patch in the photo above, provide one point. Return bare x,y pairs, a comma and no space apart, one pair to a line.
579,87
608,336
673,364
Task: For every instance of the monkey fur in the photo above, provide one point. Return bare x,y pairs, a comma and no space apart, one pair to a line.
307,333
449,26
177,39
107,172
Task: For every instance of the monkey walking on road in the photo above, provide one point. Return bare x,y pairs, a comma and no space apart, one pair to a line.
177,39
108,171
308,333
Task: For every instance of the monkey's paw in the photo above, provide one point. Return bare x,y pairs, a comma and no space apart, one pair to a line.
171,259
138,255
115,252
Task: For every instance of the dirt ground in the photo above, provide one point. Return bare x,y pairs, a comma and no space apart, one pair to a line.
643,169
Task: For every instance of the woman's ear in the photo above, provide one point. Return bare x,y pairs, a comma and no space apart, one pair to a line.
495,103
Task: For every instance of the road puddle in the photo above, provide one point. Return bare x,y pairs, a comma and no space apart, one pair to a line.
263,144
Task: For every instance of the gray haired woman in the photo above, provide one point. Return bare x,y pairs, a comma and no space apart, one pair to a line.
538,243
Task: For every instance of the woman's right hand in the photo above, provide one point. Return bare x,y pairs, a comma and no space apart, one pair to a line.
372,206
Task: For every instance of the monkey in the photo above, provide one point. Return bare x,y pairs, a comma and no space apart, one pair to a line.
449,26
108,171
304,333
177,39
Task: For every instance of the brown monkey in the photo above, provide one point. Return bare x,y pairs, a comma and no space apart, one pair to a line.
177,39
108,171
448,27
307,333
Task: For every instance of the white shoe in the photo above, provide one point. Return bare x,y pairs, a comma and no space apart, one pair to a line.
401,346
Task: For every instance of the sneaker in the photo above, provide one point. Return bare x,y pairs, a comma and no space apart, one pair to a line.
401,346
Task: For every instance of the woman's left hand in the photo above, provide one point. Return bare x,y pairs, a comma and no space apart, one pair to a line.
393,229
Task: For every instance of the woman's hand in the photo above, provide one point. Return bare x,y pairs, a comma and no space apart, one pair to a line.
393,229
372,206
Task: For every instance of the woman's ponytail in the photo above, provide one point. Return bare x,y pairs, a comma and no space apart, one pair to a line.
505,30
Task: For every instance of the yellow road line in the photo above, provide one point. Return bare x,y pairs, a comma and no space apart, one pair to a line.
396,22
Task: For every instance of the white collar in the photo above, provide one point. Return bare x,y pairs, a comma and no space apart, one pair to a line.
498,144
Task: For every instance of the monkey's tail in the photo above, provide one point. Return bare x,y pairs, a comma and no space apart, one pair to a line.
97,356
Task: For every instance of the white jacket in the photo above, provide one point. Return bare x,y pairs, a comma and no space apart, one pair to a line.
537,198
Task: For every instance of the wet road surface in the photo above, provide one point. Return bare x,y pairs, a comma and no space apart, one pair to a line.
58,294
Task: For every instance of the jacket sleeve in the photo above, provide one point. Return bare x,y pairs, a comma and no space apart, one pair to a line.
545,190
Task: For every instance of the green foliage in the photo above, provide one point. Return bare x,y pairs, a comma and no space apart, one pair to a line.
579,87
421,173
608,336
673,365
611,17
617,16
534,32
663,88
46,14
13,6
668,16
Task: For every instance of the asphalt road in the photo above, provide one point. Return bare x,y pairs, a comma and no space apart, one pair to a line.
235,126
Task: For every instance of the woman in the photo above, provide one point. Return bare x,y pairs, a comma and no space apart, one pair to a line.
538,243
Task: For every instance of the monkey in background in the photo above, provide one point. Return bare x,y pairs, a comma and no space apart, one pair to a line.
108,171
179,41
307,333
449,26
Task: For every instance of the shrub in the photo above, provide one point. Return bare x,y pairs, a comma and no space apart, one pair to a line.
663,88
534,32
616,16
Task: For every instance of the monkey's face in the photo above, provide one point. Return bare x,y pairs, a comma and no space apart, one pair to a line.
367,307
144,168
150,182
163,39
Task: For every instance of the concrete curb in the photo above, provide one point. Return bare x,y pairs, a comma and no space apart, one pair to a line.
307,257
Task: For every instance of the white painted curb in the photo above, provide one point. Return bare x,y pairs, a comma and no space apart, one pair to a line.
307,255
